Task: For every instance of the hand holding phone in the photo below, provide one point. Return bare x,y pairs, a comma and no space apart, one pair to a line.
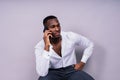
46,37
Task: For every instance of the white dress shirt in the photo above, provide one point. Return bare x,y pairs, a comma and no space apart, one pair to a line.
50,59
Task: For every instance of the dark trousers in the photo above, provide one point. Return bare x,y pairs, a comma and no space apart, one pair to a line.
67,73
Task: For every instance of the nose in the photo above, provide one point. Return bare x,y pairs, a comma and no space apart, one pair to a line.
56,28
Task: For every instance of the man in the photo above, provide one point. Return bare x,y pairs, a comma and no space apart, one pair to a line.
55,56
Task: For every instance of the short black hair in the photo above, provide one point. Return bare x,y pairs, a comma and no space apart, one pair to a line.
46,19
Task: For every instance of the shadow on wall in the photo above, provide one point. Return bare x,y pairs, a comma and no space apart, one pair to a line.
95,64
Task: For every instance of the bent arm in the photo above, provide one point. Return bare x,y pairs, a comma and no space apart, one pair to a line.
85,43
87,51
88,48
42,61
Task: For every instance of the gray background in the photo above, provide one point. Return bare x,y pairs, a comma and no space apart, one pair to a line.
21,29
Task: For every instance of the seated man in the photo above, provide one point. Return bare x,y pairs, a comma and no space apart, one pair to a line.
55,53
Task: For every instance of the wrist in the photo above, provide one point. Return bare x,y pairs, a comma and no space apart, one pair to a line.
46,47
81,63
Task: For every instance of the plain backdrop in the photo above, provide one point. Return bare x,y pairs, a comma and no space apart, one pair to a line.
21,29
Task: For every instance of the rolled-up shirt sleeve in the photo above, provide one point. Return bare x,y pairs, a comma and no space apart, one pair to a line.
87,52
42,61
85,43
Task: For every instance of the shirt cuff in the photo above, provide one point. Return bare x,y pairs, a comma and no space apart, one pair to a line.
84,59
46,54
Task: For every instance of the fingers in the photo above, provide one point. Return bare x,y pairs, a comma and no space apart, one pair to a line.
47,33
78,67
46,36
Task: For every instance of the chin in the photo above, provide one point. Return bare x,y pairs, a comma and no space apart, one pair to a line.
57,36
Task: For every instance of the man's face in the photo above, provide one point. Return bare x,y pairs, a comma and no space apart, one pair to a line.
54,27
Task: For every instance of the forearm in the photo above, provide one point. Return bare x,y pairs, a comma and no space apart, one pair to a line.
79,66
47,47
87,52
42,66
42,62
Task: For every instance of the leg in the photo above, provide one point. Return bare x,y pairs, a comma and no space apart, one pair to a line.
80,75
52,75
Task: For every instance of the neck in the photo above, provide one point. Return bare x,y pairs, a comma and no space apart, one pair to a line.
55,40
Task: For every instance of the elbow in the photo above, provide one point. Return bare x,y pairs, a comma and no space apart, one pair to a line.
41,73
91,44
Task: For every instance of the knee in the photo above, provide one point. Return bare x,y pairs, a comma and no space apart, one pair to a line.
46,78
43,78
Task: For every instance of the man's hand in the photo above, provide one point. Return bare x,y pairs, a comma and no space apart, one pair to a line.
79,66
46,36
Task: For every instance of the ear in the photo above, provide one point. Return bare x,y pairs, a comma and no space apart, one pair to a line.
45,28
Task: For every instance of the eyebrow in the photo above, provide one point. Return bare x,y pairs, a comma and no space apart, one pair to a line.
55,25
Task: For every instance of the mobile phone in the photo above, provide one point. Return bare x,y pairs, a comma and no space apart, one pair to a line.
45,28
50,38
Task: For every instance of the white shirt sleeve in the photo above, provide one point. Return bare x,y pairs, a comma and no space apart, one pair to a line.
42,61
87,52
84,42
